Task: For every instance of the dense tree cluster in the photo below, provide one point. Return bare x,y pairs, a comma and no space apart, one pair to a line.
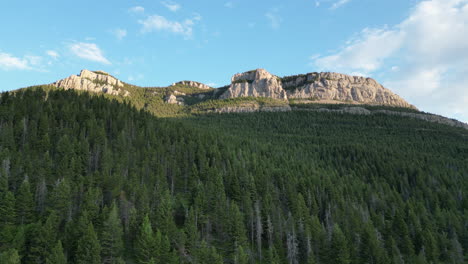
84,179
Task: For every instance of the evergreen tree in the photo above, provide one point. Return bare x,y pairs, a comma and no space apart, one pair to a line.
145,247
89,249
111,238
208,254
10,257
338,253
7,209
24,203
56,256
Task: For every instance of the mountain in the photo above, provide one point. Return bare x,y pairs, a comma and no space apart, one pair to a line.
312,87
255,91
325,87
93,177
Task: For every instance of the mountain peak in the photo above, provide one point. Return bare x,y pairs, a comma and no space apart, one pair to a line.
93,81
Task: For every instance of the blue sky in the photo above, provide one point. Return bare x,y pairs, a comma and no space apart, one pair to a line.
418,49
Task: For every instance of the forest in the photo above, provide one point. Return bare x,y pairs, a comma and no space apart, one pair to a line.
87,179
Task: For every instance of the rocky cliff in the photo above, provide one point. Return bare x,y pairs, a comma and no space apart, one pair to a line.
257,83
192,84
98,81
324,87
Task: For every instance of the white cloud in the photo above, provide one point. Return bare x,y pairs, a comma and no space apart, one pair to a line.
172,6
229,4
10,62
28,62
88,51
317,3
52,53
119,33
274,18
339,4
137,9
160,23
365,53
428,52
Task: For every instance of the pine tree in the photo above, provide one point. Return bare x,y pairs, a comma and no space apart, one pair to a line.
338,253
7,209
371,250
237,230
56,255
89,249
10,257
25,204
60,199
145,246
207,254
111,238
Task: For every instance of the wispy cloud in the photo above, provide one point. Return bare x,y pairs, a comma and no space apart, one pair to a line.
119,33
172,6
339,4
229,4
10,62
423,57
88,51
137,9
365,53
274,18
52,53
160,23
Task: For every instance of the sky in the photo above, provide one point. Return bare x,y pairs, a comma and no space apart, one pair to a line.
418,49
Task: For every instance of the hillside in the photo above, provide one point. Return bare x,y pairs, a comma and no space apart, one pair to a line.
88,179
254,91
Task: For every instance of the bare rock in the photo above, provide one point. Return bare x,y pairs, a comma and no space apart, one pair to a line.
93,82
321,87
257,83
193,84
341,87
172,99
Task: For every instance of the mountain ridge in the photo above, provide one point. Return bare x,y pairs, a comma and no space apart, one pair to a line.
256,91
313,87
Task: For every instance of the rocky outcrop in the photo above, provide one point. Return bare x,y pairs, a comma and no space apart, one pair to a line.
341,87
193,84
319,87
257,83
172,99
93,82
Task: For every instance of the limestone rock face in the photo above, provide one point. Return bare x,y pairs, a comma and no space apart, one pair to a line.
257,83
193,84
341,87
323,87
93,82
172,99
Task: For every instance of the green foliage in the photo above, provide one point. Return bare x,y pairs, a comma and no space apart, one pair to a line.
146,245
293,187
89,249
57,256
111,238
10,257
